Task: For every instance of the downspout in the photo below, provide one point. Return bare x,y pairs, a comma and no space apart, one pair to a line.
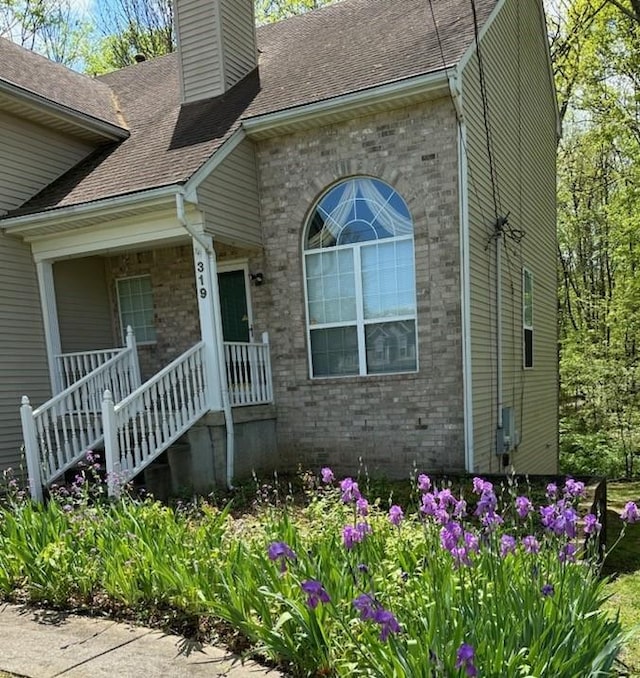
465,281
215,294
499,237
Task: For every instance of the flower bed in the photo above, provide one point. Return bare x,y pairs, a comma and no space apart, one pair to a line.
486,584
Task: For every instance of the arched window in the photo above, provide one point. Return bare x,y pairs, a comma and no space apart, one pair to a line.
360,281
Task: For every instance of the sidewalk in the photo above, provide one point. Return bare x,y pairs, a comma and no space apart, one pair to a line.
45,644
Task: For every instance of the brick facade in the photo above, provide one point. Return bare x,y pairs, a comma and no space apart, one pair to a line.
175,304
390,422
174,301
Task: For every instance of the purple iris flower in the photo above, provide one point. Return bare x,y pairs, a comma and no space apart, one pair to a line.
278,550
591,524
523,506
362,507
547,590
327,475
507,545
429,504
388,623
350,491
395,515
630,514
424,483
531,544
574,489
480,485
567,553
366,606
354,534
552,491
464,659
316,593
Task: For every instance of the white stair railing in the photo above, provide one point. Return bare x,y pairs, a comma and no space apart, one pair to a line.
147,422
74,366
248,370
60,432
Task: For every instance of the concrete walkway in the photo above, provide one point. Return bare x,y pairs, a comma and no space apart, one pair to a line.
45,644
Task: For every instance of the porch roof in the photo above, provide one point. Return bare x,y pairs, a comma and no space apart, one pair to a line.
351,46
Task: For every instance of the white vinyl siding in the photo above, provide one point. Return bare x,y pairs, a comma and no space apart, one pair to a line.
239,44
23,358
84,310
230,198
523,128
31,157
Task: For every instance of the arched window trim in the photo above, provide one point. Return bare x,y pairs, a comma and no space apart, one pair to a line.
362,324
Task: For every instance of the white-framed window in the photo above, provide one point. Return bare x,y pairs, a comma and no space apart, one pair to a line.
527,318
360,281
135,307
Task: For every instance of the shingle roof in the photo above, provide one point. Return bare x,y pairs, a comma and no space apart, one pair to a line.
342,48
54,82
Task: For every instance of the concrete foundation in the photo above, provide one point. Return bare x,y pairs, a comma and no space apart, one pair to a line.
199,461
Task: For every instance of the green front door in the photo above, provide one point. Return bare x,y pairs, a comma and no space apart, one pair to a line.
233,306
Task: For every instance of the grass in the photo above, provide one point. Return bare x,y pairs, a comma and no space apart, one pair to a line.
623,564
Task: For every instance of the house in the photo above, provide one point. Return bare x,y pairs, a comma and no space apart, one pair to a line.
335,248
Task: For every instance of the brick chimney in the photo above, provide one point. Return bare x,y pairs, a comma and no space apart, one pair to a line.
216,45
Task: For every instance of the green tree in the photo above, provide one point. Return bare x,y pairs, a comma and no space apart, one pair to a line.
598,208
52,27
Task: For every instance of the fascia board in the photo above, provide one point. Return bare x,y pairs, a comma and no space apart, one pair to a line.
213,161
70,115
24,223
421,84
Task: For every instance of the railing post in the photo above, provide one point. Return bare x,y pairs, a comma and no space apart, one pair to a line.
267,366
31,449
135,365
110,430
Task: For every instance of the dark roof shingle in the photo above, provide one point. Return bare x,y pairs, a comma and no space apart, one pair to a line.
342,48
55,83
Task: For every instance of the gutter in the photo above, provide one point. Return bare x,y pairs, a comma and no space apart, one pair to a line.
24,222
465,274
83,120
417,86
217,315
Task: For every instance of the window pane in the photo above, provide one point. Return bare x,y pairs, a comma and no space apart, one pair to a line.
391,347
528,347
528,299
334,351
388,279
331,287
136,307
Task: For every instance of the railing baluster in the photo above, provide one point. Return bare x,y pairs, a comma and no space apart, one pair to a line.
248,372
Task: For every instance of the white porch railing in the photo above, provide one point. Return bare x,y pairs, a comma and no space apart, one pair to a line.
248,369
60,432
154,416
74,366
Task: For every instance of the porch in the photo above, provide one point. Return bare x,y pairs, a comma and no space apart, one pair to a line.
195,351
104,404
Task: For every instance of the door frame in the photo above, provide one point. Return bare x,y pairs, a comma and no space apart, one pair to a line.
229,265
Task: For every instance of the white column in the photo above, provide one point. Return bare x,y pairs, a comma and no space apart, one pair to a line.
44,269
207,293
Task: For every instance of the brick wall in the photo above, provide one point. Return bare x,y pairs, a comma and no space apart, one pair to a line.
174,301
391,422
175,304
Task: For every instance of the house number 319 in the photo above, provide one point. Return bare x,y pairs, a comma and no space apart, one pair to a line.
202,290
